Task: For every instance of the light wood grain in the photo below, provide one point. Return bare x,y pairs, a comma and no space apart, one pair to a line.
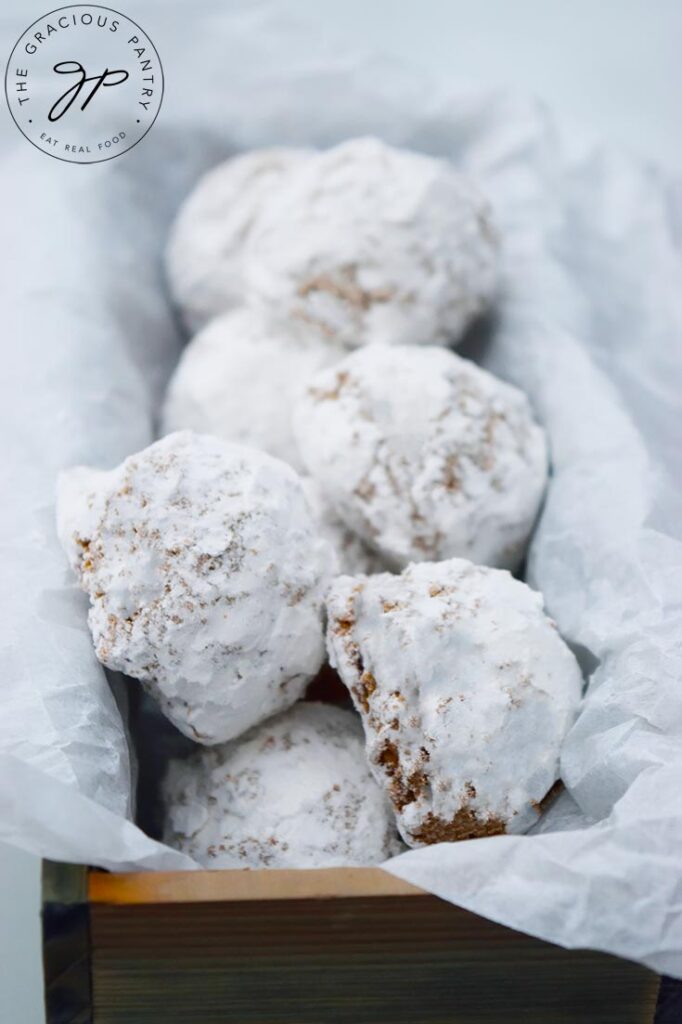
241,886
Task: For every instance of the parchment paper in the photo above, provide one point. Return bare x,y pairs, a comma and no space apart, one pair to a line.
589,324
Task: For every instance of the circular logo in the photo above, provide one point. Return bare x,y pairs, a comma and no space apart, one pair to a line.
84,83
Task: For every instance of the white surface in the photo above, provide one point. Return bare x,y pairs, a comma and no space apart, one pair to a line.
608,70
611,68
21,997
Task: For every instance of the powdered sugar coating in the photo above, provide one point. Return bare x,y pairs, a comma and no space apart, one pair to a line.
424,455
466,691
366,243
353,556
294,792
238,380
205,575
205,247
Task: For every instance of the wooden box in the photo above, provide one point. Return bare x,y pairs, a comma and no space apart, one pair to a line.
342,946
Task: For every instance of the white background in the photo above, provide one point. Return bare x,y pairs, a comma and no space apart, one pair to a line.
609,70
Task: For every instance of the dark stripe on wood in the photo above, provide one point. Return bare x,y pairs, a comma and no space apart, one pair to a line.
669,1008
66,944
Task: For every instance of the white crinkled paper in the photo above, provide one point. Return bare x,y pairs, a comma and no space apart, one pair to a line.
590,325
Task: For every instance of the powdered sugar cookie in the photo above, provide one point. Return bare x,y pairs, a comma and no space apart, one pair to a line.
354,557
205,574
295,792
238,380
466,691
424,455
205,248
367,243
